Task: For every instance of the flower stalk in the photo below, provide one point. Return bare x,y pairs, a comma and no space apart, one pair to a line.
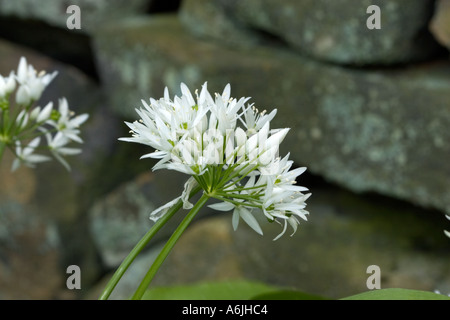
140,246
168,247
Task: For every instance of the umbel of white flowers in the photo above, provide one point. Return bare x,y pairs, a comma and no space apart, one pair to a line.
22,125
228,149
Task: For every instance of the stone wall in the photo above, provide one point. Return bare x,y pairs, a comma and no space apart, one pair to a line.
369,112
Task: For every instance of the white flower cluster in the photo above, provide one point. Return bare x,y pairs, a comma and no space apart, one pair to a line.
229,150
22,126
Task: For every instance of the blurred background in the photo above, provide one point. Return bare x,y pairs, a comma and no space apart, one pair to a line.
369,111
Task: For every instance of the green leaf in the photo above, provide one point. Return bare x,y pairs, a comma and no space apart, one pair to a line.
397,294
287,295
225,290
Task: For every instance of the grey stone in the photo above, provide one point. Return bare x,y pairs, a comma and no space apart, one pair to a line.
333,31
208,19
92,13
27,239
375,130
120,220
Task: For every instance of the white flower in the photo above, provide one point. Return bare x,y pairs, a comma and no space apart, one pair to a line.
239,211
241,208
24,122
283,199
22,119
7,85
224,109
280,175
262,148
254,120
31,83
165,123
57,146
288,209
186,157
194,153
66,124
42,115
25,155
201,137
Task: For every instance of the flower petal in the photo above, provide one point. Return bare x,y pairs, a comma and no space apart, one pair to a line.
159,212
250,219
222,206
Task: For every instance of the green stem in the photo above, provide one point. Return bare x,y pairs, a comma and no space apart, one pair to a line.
139,246
228,177
237,203
5,122
168,247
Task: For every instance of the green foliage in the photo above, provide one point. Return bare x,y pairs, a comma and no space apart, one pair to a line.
225,290
287,295
249,290
397,294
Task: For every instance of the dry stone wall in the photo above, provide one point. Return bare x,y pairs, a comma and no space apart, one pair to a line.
369,111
